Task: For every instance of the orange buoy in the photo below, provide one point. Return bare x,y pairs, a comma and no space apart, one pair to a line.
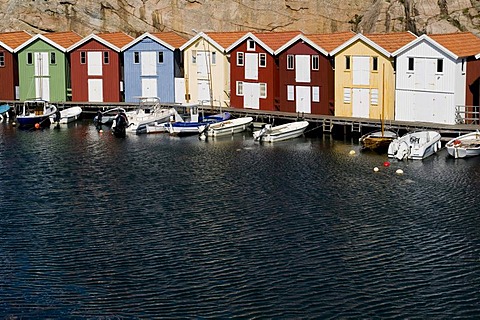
37,125
457,142
386,164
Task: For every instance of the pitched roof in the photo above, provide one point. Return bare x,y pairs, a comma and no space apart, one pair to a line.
462,44
225,39
63,39
330,41
274,40
171,38
391,41
14,39
118,39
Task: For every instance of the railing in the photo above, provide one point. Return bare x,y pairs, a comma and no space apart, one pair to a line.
467,114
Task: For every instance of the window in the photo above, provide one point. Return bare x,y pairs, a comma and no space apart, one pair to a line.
239,88
214,57
160,57
346,95
136,57
315,94
411,64
290,62
250,45
262,60
106,57
375,63
53,58
263,90
315,62
239,58
440,65
194,56
374,97
347,62
290,93
83,57
29,57
2,59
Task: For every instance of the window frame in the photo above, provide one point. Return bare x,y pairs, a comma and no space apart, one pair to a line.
290,62
239,88
106,57
2,59
262,57
53,57
251,45
83,57
263,88
136,57
240,59
315,62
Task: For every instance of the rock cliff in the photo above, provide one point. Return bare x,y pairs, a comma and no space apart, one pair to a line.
189,16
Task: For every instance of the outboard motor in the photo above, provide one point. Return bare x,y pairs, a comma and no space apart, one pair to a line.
119,126
262,132
203,132
402,152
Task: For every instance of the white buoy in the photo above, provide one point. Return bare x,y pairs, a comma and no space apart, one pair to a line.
399,171
375,169
352,152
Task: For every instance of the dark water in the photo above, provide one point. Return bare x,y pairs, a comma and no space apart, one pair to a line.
94,227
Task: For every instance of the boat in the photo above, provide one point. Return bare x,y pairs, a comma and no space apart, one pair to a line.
223,128
36,113
377,140
467,145
106,117
415,145
67,115
4,108
286,131
149,113
194,121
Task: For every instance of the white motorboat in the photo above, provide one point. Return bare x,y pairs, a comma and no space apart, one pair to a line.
286,131
467,145
194,121
223,128
68,115
415,145
149,111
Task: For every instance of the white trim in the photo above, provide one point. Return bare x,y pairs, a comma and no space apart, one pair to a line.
360,37
254,38
96,38
44,39
305,39
426,38
147,35
204,36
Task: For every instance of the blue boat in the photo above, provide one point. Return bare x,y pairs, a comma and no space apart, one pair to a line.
191,126
36,113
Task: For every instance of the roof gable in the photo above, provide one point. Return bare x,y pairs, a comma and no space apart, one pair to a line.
330,41
220,40
303,38
12,40
427,39
58,40
269,41
384,43
111,40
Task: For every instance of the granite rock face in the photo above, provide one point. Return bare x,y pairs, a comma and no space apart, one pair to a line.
190,16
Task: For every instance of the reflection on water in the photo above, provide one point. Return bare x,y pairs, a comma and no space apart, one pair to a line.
155,226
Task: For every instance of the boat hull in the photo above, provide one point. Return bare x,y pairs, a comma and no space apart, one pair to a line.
377,141
282,132
27,121
464,146
227,127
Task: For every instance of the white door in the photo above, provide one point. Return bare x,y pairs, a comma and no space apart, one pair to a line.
251,95
303,99
425,73
180,90
360,103
251,66
203,64
361,70
95,90
149,87
94,63
203,91
148,60
302,68
42,81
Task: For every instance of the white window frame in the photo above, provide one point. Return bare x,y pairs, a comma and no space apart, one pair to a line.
263,90
214,57
240,56
315,62
239,86
315,94
290,93
250,45
136,57
290,62
262,56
